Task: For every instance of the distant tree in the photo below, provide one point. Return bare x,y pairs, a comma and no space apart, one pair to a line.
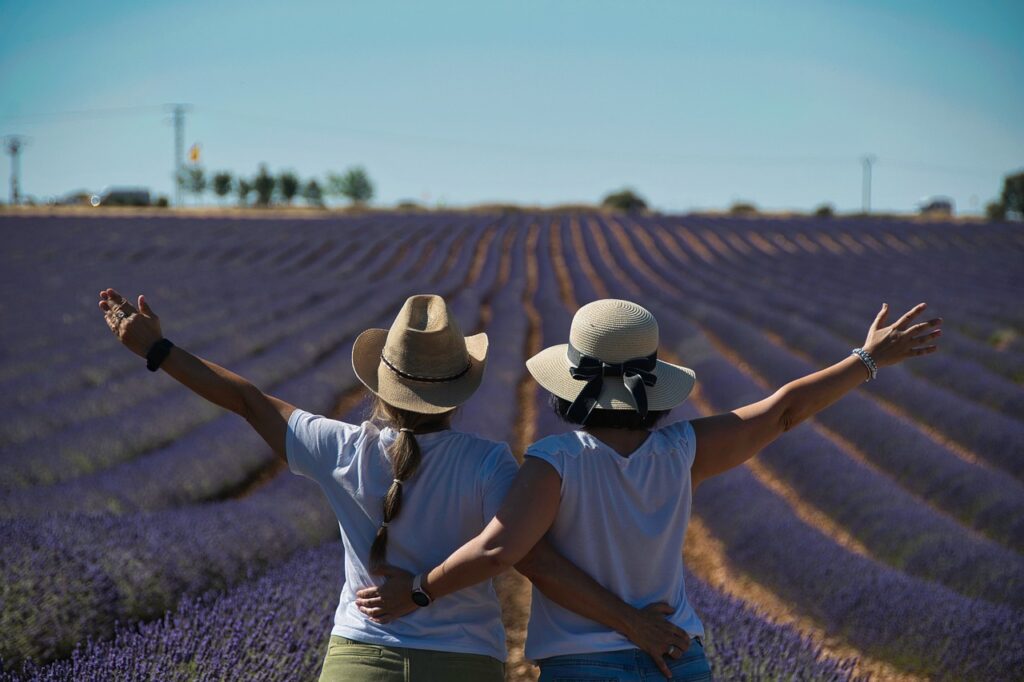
825,211
354,185
264,184
1013,195
195,181
222,184
313,194
995,211
743,208
288,184
243,188
625,199
162,202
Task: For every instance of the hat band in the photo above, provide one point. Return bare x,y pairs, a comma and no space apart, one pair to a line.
416,377
636,373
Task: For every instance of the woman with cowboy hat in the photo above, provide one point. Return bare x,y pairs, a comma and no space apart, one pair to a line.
406,488
614,496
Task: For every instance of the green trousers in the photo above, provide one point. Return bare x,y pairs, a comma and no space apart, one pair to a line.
350,661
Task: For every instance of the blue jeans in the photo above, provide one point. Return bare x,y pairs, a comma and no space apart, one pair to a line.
626,665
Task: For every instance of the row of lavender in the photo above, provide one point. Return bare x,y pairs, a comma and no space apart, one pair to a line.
981,497
69,576
274,628
286,611
222,445
551,317
856,598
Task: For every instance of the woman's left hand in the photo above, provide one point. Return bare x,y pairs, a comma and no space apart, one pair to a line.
393,599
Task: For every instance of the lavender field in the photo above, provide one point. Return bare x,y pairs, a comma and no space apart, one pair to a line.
147,535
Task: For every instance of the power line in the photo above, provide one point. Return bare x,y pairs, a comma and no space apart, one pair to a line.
82,113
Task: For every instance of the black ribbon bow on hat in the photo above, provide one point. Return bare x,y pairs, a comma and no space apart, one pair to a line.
636,373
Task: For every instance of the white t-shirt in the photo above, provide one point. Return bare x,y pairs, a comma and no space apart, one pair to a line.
457,489
622,520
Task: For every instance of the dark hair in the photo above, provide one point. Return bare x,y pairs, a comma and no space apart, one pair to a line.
610,419
404,454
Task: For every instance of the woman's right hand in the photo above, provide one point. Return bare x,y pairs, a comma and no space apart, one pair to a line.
138,329
653,632
900,340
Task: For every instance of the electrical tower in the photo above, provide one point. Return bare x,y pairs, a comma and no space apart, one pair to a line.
13,145
865,187
178,119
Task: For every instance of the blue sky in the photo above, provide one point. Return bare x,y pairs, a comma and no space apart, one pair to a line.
694,104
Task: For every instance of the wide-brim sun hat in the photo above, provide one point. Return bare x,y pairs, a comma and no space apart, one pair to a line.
422,363
612,355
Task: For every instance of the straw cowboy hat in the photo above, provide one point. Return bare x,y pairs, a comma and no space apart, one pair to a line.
611,363
423,363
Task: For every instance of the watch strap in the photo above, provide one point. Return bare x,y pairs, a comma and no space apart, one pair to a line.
418,591
158,352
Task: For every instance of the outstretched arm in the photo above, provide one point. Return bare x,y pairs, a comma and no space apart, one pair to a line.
727,440
138,329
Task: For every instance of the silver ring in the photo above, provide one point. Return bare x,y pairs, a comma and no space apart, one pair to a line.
671,649
119,314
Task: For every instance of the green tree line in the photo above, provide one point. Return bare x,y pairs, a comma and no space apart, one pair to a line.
266,189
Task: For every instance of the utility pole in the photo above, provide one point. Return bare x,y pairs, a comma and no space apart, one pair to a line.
178,119
13,144
865,188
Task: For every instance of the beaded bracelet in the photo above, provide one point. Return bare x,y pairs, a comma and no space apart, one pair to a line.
867,360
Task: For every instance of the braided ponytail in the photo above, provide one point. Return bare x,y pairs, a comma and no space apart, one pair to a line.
404,454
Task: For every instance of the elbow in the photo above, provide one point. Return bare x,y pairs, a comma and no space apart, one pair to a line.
532,566
788,420
498,558
245,403
788,414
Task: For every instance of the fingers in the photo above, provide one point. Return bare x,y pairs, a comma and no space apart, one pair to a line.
662,608
880,317
116,303
920,326
660,662
372,602
114,296
368,592
144,307
909,315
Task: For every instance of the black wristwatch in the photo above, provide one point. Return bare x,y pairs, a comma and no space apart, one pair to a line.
158,353
419,595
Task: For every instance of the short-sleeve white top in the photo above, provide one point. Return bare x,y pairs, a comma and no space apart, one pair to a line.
458,487
623,521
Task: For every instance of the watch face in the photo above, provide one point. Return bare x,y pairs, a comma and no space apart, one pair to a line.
420,599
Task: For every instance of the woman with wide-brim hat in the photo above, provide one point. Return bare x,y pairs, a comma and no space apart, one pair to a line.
406,488
614,496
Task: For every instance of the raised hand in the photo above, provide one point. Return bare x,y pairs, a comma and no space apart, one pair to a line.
393,599
137,328
651,631
900,340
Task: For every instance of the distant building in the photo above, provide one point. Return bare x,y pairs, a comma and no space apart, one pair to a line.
123,196
940,206
78,198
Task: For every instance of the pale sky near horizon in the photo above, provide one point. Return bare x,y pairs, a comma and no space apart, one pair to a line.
696,105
